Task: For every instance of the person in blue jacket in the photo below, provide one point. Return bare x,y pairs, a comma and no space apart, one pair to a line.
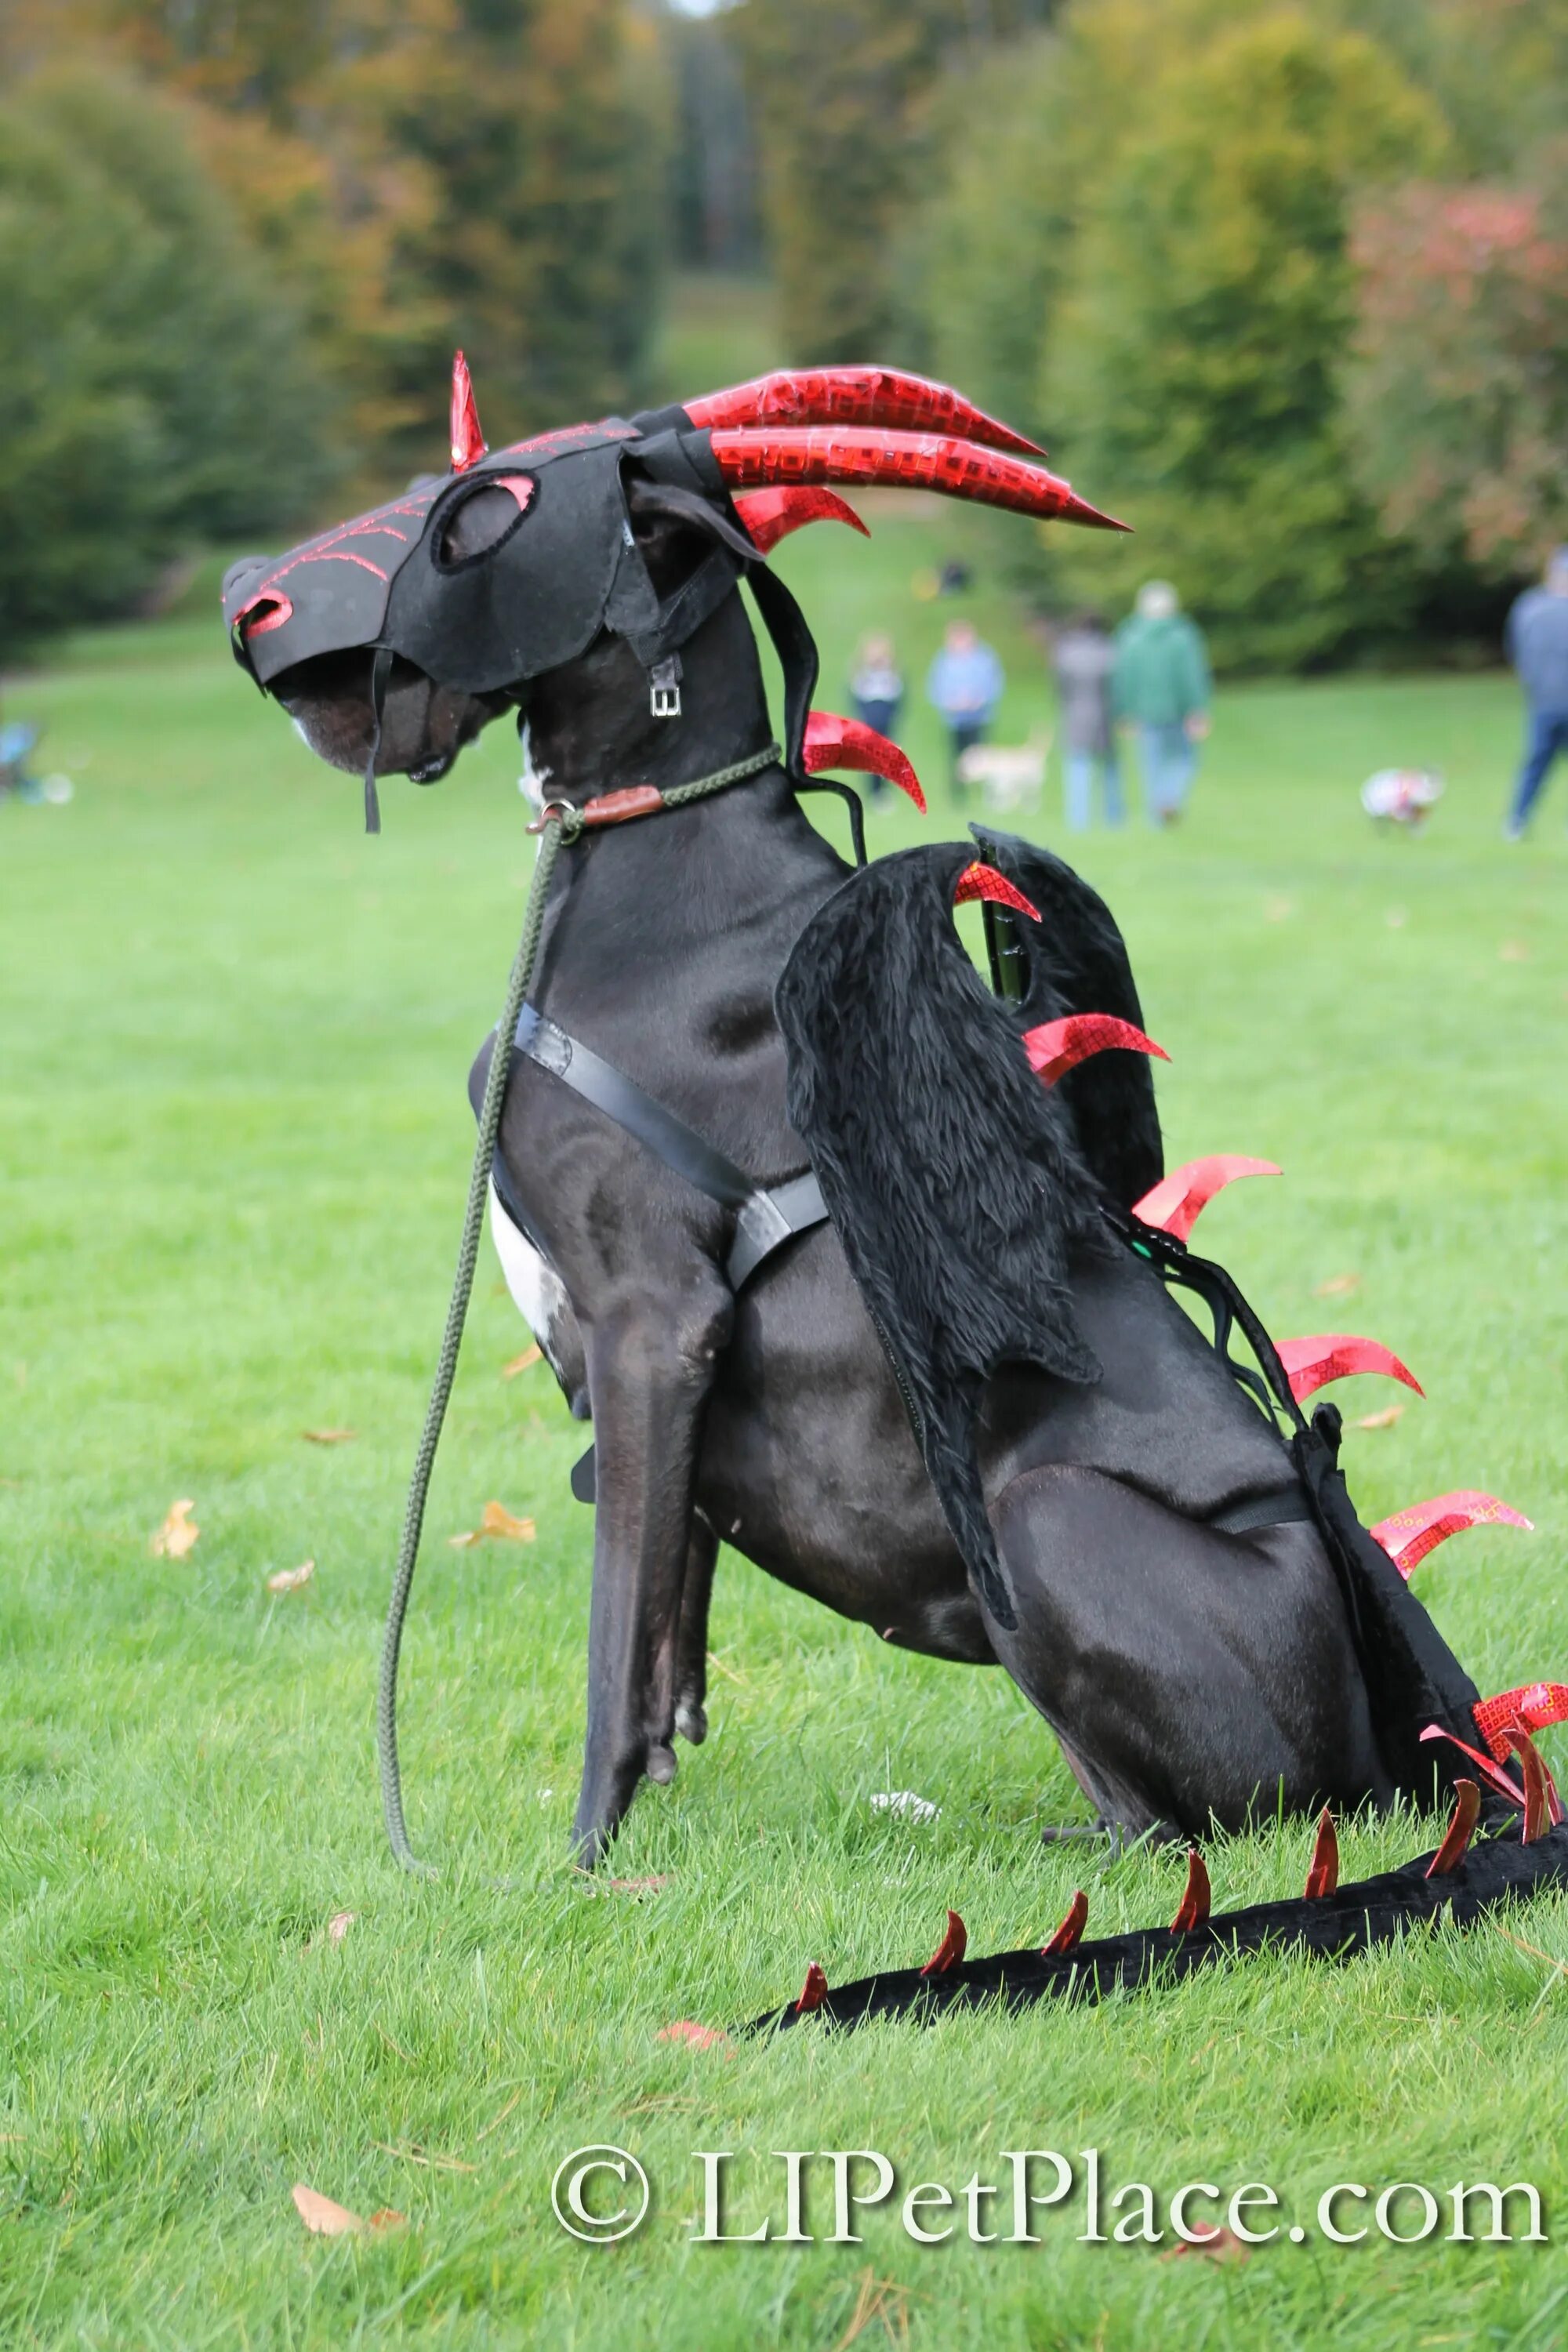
1536,637
965,685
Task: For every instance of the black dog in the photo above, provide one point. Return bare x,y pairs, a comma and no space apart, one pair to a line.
966,1411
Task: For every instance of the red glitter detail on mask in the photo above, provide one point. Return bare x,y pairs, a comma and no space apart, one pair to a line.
1407,1536
835,742
856,395
1176,1204
1311,1364
914,461
1491,1772
1057,1046
978,881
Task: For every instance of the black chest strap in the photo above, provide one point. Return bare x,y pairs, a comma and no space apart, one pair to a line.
766,1216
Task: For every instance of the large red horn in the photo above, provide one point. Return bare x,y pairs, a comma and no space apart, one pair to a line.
1409,1535
771,515
856,395
912,461
1311,1364
469,444
835,742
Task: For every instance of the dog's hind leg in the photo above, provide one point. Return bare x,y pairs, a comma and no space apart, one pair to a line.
691,1640
1194,1677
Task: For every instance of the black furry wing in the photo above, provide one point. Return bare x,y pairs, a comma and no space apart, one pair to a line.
952,1175
1075,961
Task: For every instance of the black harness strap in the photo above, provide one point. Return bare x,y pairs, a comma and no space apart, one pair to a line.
767,1216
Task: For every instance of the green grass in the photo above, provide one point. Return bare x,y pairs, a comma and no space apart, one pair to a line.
233,1144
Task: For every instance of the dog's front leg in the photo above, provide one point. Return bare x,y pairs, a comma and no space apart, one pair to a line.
650,1370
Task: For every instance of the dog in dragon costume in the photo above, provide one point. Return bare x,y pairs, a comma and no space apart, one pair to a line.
856,1259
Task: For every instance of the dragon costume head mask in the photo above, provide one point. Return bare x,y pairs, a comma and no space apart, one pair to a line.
393,637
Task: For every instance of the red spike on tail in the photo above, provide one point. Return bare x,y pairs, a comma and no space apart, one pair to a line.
1057,1046
1409,1535
1456,1837
1537,1803
951,1949
469,444
1194,1907
835,742
1538,1705
912,461
1176,1204
1070,1931
856,395
814,1992
1311,1364
771,515
1491,1772
1323,1873
979,881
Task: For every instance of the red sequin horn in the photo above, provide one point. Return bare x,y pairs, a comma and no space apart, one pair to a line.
771,515
835,742
469,444
856,395
1409,1535
812,455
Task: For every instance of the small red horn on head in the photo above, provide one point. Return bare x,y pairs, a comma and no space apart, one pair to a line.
771,515
856,395
469,444
808,454
835,742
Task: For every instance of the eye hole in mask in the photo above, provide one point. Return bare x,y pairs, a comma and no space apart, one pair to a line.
478,524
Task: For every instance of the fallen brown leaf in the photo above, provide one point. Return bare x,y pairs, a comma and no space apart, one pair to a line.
653,1885
321,2216
178,1533
495,1519
1339,1285
338,1926
388,2217
328,1436
521,1363
1213,2245
1384,1420
1513,952
700,2037
290,1580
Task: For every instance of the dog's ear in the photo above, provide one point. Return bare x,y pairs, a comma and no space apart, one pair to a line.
674,528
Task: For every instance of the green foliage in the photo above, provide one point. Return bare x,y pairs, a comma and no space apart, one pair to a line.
1459,392
154,390
1193,367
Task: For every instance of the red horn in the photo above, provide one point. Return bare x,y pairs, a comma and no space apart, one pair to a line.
978,881
1491,1772
1537,1706
1177,1201
835,742
912,461
1323,1872
1409,1535
951,1949
771,515
1311,1363
856,395
1456,1837
1070,1932
469,444
1194,1908
1057,1046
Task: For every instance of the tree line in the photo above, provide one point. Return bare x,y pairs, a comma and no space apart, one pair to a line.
1285,283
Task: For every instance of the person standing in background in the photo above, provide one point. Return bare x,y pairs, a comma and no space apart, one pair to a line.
1082,658
1536,637
1160,686
965,685
877,694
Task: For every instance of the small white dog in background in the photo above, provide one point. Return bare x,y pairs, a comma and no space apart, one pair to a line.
1012,774
1402,795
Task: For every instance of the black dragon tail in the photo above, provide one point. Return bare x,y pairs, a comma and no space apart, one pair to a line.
1459,1881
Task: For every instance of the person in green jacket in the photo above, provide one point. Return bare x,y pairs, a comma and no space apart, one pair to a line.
1160,687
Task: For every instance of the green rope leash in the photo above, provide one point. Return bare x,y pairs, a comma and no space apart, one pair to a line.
562,823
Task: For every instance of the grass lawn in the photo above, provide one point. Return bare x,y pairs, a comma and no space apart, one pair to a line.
233,1145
